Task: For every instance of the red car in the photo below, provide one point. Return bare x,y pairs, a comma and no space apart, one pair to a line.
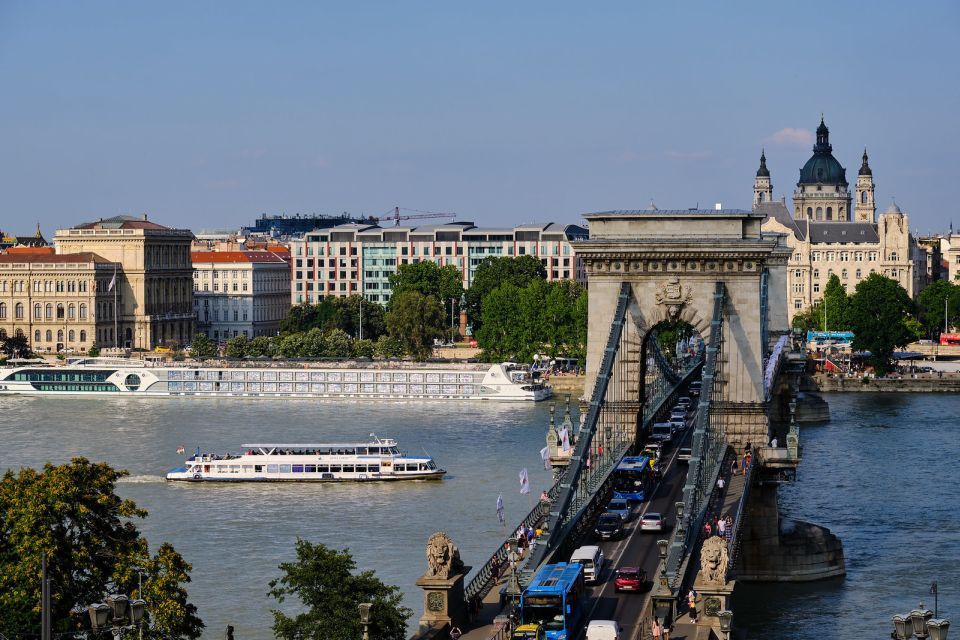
630,579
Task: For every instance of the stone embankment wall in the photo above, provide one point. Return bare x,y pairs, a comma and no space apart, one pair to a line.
919,383
568,385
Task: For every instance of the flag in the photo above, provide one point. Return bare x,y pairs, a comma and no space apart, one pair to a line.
565,439
113,280
545,456
181,450
524,481
500,515
933,588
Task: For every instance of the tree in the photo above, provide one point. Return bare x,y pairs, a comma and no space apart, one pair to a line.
323,580
312,344
836,307
388,347
291,345
15,346
429,279
498,336
363,348
236,347
930,305
261,346
337,344
878,310
202,347
415,320
495,271
72,514
304,317
810,319
93,351
346,317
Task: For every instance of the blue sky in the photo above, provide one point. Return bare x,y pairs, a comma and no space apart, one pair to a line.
206,114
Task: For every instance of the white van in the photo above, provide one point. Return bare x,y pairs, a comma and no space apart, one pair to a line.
591,557
603,630
662,432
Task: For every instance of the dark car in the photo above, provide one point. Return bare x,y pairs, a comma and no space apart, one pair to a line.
609,526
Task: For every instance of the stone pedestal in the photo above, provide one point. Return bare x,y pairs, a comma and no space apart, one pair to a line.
443,600
712,598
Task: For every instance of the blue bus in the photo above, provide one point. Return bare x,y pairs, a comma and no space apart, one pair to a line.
554,600
633,478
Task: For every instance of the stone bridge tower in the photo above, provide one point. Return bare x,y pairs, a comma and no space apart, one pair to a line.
673,260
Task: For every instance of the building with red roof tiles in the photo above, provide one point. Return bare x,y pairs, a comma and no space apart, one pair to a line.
240,293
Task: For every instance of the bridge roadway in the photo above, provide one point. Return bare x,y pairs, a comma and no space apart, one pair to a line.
636,548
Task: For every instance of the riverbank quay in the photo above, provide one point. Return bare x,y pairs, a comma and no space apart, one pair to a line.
571,385
907,383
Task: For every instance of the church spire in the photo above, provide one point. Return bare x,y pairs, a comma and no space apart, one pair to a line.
865,167
763,171
823,138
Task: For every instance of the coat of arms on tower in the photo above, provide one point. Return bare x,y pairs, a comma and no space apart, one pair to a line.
674,295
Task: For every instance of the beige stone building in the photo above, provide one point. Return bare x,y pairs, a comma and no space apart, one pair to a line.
154,277
57,302
827,240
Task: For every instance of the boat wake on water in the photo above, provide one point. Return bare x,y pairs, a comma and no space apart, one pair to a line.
143,479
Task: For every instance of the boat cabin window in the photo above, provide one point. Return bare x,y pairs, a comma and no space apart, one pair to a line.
297,468
335,468
375,451
323,468
348,468
284,468
310,468
272,468
258,468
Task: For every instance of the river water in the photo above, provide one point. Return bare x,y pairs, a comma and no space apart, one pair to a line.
880,475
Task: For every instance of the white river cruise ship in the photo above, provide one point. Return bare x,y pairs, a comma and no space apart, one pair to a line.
349,462
430,381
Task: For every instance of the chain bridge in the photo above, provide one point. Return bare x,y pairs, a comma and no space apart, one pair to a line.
717,272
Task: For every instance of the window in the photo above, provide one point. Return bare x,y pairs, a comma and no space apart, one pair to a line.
816,273
816,287
71,312
798,287
18,311
71,336
36,335
59,312
809,212
893,256
3,310
863,197
843,274
798,304
797,274
49,335
844,256
858,256
859,274
37,311
83,336
819,213
829,213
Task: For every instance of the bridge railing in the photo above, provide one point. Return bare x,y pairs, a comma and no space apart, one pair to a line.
772,370
736,542
707,451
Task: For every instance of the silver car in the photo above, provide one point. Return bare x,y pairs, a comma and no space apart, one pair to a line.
651,522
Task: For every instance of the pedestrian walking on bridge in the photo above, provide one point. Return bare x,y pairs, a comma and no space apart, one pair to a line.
656,630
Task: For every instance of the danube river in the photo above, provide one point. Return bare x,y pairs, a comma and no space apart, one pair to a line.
880,475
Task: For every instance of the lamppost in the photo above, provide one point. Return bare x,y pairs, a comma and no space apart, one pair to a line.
364,608
920,624
118,613
726,623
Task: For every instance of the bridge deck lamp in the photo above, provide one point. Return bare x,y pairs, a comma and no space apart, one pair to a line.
99,615
726,622
137,609
902,627
937,628
919,618
118,604
364,608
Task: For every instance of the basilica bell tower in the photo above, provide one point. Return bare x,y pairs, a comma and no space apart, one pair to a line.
762,187
865,210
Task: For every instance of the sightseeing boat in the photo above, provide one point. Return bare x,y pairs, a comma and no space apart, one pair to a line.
508,381
376,460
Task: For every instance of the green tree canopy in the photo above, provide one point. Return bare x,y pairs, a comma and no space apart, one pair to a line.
346,317
236,347
261,346
387,346
415,320
931,303
304,317
836,307
202,347
325,583
337,344
15,346
878,312
428,279
810,319
495,271
363,348
72,514
540,317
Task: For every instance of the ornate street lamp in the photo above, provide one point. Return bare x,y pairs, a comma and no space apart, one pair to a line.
364,608
726,622
919,618
937,628
137,609
118,604
99,615
902,627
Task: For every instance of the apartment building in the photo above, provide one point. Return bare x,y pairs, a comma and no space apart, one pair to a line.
352,258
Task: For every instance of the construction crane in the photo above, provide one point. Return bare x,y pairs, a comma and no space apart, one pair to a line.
396,217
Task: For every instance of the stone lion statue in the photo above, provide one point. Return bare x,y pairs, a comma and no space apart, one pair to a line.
713,560
443,557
